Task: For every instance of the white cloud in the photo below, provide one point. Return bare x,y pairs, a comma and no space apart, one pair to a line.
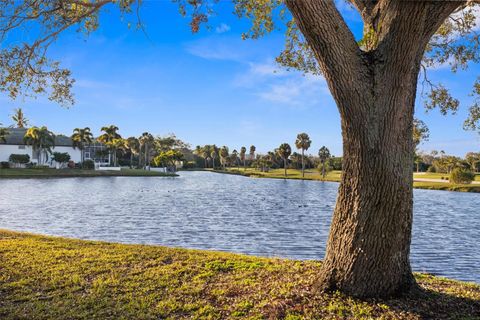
296,90
262,76
229,48
222,28
217,48
272,83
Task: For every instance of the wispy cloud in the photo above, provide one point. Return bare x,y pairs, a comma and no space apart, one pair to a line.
296,90
261,75
229,48
272,83
222,28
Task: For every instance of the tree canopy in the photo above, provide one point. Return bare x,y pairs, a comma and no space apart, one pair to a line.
27,70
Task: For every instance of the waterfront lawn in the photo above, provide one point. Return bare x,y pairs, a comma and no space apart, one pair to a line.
62,173
55,278
312,174
440,176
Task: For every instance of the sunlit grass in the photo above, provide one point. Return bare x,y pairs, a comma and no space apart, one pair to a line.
335,176
55,278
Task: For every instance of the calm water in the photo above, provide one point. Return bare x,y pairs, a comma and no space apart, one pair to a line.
267,217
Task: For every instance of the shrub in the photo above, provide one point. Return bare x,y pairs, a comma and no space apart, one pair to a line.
4,165
461,176
88,164
19,158
61,157
190,165
431,169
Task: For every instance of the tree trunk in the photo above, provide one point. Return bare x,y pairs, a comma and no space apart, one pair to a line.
369,244
285,166
303,164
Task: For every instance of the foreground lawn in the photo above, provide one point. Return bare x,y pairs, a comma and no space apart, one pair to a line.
335,176
54,173
54,278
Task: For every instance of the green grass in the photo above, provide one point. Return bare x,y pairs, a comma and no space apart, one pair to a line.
64,173
336,176
55,278
441,176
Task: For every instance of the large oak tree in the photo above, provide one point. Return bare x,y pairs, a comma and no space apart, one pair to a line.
373,81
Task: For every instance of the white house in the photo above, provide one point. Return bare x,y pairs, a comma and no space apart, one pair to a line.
15,144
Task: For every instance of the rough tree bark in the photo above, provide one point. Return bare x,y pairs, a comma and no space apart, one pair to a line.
374,88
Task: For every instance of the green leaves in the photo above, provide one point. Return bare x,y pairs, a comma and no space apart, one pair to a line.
440,97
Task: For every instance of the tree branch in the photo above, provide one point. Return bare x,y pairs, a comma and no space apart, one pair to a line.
334,45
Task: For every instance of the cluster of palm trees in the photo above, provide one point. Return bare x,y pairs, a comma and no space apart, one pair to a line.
141,147
282,154
210,153
42,140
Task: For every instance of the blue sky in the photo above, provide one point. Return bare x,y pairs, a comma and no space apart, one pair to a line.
210,87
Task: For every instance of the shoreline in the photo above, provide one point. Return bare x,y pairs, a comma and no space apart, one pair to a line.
439,186
62,278
77,173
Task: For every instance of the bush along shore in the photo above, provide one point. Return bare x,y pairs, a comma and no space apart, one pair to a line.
335,176
55,278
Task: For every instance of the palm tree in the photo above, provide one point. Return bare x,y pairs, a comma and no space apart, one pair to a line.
324,155
252,152
203,153
284,151
303,142
110,134
214,154
224,155
3,134
146,140
40,139
133,145
243,157
19,118
80,138
118,146
206,155
235,158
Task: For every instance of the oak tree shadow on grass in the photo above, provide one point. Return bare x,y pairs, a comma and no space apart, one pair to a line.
430,304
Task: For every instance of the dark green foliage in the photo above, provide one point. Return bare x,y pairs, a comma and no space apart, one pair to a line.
19,158
4,165
461,176
61,157
88,164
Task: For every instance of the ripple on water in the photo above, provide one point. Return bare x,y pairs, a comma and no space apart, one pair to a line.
268,217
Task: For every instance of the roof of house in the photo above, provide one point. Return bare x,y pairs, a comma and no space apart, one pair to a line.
15,137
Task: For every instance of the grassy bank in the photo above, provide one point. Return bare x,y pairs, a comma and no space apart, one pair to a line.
65,173
335,176
55,278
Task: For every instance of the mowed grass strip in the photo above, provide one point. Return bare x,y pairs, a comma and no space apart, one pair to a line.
335,176
55,278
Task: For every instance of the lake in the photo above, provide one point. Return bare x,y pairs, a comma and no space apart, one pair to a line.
266,217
